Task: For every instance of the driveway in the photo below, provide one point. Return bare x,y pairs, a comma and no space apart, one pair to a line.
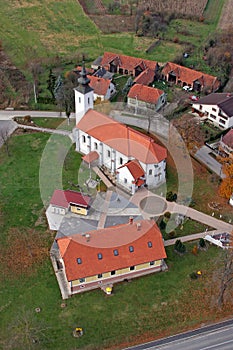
204,156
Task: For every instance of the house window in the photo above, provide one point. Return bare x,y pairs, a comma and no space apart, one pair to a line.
150,172
100,275
113,273
125,180
79,260
108,153
212,116
214,109
200,107
81,280
121,161
115,252
149,244
152,263
95,145
84,138
100,256
222,121
132,268
131,249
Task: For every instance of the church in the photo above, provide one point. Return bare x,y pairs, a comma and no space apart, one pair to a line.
135,159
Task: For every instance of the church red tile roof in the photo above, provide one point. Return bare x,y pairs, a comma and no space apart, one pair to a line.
122,138
145,93
104,242
135,169
127,62
189,76
63,199
99,85
90,157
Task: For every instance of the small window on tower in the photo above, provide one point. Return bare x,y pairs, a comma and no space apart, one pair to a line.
79,99
84,138
88,100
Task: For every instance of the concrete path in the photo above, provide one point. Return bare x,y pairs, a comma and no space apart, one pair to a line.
193,237
203,155
10,114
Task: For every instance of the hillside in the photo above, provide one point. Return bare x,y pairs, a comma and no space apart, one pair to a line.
48,30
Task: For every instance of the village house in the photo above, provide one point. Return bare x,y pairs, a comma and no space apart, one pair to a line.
217,107
64,201
226,143
103,89
141,96
126,65
102,257
116,143
183,76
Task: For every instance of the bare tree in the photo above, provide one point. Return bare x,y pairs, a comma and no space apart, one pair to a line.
4,138
226,275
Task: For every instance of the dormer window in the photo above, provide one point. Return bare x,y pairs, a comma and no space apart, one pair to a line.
79,261
131,249
149,244
115,252
100,256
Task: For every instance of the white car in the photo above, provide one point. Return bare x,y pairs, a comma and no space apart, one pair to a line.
187,88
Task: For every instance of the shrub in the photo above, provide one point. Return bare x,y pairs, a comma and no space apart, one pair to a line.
162,225
193,275
202,243
180,247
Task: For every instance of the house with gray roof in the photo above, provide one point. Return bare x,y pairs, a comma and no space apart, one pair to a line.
217,107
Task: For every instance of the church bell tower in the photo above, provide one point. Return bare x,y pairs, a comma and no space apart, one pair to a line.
84,95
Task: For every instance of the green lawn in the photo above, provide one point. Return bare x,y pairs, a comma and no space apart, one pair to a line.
162,303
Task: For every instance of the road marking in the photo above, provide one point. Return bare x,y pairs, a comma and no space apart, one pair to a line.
217,345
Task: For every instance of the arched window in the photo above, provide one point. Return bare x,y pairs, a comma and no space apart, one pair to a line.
121,160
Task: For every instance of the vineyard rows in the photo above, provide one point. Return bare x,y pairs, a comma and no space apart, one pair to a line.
189,7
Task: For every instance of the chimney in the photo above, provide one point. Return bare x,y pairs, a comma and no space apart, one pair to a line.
138,226
131,220
88,237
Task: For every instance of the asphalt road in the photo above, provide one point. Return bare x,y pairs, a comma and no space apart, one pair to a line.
214,337
7,115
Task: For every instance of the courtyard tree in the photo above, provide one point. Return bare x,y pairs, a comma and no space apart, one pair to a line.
226,276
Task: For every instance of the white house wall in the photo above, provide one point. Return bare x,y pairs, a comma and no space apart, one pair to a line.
212,112
155,174
125,178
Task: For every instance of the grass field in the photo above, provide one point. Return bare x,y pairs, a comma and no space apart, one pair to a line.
156,305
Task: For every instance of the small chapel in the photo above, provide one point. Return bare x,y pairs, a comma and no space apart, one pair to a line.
133,158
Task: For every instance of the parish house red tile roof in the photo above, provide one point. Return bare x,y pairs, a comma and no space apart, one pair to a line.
63,199
105,242
122,138
145,93
90,157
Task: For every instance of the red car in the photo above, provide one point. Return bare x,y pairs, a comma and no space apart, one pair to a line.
193,98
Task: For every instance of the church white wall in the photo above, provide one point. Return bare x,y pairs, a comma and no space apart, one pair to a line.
125,178
83,102
155,174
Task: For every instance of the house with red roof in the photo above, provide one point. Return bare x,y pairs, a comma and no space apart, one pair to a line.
127,65
103,89
144,97
183,76
103,257
64,201
116,143
217,107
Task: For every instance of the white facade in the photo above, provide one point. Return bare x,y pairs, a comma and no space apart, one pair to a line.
83,102
214,115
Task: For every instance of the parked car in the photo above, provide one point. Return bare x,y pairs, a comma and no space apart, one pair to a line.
193,98
187,88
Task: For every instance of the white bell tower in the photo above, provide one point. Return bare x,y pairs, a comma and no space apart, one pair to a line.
84,95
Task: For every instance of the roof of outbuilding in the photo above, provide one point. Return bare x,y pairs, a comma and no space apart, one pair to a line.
189,75
63,199
146,77
122,138
127,62
104,242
